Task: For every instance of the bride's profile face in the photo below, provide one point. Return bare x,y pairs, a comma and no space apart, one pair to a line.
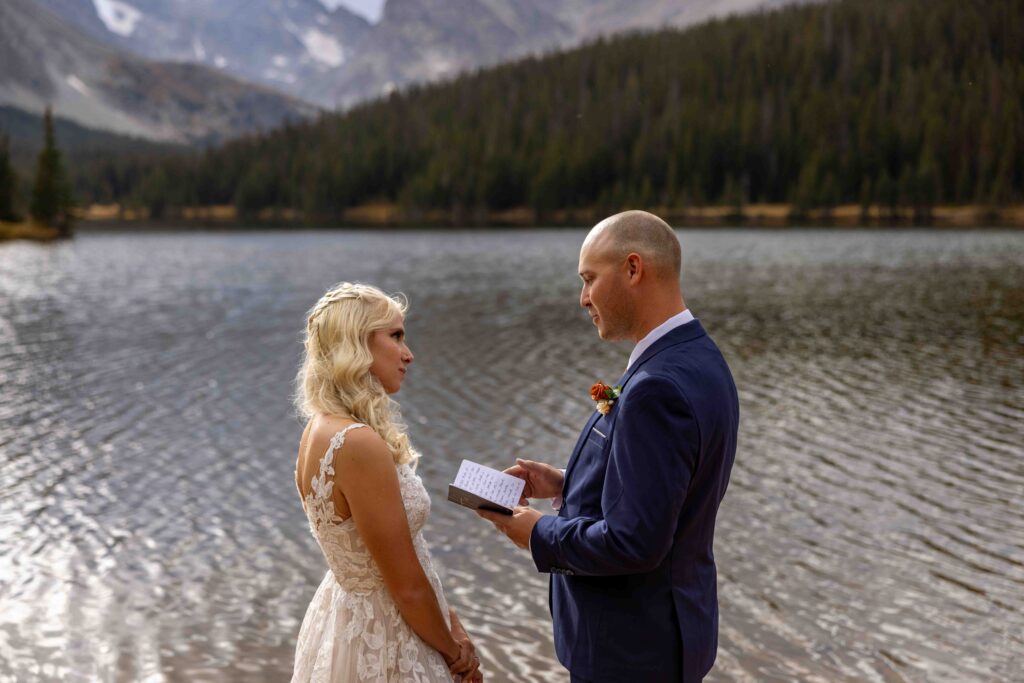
391,357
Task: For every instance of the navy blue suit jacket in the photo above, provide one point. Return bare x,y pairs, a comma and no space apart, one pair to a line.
633,586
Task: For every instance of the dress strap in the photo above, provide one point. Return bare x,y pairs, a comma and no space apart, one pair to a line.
337,441
322,488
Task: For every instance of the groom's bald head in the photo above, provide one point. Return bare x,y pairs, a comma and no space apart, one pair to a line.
642,233
629,264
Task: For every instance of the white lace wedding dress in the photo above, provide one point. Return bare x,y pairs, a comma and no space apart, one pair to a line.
352,631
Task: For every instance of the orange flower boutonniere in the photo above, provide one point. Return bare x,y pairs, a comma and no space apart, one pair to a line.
605,396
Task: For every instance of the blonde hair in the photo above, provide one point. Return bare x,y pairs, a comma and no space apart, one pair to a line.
335,375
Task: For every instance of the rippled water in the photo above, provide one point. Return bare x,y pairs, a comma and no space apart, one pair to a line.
150,530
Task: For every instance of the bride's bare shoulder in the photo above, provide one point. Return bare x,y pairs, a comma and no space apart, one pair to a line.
361,446
322,429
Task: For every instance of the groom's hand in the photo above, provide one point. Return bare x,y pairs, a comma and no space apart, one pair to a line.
518,527
542,481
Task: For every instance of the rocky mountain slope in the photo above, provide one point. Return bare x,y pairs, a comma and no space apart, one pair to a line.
283,44
335,58
423,40
46,60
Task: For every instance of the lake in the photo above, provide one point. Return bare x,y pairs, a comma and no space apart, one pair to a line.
151,530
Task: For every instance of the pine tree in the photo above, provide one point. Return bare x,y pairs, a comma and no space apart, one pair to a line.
51,196
828,194
865,199
154,193
886,194
806,193
732,196
8,182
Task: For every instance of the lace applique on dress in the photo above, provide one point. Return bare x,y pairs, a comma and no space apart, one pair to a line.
353,630
319,502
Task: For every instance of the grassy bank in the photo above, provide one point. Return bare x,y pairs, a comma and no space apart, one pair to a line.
27,230
755,215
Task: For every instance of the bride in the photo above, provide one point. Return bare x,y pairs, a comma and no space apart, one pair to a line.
379,614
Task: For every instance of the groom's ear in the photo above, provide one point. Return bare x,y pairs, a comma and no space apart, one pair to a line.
634,266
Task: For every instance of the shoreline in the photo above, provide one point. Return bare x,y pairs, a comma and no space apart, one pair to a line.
385,215
27,230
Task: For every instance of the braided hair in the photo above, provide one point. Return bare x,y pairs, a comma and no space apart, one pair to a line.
335,376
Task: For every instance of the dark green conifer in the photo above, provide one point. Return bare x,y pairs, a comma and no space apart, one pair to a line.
51,195
8,182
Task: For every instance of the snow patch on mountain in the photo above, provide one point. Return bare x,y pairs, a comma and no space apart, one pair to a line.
76,83
322,47
119,17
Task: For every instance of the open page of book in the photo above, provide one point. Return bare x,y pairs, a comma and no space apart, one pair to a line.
489,484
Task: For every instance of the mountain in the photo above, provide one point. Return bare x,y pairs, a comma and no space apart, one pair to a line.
284,44
335,58
425,40
605,17
46,60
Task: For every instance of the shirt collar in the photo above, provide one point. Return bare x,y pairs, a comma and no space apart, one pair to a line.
657,333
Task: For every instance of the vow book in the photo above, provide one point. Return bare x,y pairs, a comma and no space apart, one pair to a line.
479,487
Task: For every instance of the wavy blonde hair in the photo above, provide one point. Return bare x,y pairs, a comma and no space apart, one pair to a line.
335,375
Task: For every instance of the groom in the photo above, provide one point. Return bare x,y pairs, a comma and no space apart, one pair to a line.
633,590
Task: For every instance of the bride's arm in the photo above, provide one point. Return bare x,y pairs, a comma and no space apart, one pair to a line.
365,472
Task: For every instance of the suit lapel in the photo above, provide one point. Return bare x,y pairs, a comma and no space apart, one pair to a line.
579,446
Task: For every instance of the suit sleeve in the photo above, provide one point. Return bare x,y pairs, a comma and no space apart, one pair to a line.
652,459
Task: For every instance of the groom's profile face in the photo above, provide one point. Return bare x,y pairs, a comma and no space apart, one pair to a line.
604,291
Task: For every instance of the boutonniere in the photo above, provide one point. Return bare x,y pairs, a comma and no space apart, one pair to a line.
605,396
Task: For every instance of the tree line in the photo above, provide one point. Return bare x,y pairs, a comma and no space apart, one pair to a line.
51,200
908,103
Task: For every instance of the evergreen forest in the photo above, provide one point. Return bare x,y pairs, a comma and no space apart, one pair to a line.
910,103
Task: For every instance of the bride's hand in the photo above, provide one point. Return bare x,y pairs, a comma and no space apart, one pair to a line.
467,662
473,674
542,481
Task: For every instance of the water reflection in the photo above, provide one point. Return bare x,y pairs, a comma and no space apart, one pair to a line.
152,532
